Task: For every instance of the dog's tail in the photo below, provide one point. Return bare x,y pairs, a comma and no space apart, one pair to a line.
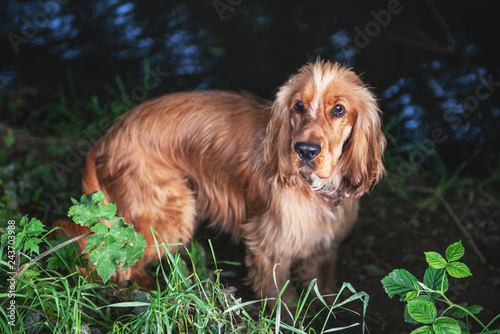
70,230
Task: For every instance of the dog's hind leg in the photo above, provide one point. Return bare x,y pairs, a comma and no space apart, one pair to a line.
164,213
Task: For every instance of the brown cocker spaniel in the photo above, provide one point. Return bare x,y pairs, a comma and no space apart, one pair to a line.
284,176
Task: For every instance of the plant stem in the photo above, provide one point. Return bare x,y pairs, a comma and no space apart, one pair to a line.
452,305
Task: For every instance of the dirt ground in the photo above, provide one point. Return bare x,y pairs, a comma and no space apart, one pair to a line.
393,233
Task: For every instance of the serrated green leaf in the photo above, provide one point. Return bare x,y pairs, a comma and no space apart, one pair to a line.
32,272
399,282
104,260
446,325
435,260
93,242
34,227
407,315
433,279
23,221
133,244
97,197
475,309
119,245
422,311
53,263
90,210
455,251
100,228
458,270
135,251
31,245
423,330
110,248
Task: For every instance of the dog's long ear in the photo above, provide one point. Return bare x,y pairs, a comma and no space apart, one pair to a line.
277,143
361,161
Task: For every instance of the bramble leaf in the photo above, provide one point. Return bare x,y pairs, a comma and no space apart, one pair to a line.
31,245
458,270
114,246
133,244
399,282
33,227
407,315
90,210
23,221
423,330
433,279
455,251
435,260
100,228
105,260
110,248
92,243
460,313
422,311
475,309
446,325
26,238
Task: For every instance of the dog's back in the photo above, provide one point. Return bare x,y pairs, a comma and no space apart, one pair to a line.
177,160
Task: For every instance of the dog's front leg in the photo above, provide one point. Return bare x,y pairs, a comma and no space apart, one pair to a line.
268,276
320,265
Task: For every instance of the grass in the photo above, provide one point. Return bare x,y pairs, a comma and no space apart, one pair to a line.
47,301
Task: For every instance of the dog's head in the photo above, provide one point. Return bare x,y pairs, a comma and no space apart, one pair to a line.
325,128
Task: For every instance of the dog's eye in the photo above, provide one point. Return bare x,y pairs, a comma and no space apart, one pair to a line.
338,110
298,107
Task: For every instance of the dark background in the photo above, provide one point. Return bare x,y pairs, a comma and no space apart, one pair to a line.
434,66
425,60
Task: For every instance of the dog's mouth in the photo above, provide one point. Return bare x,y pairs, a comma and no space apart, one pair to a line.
307,164
307,169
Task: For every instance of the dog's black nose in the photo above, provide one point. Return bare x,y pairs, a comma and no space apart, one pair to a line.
307,150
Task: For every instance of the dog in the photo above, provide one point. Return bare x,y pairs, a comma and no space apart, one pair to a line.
282,176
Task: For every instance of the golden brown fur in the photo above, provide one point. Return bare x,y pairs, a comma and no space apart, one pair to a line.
233,159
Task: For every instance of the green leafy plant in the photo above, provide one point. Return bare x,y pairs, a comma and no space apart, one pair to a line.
118,246
421,297
110,248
